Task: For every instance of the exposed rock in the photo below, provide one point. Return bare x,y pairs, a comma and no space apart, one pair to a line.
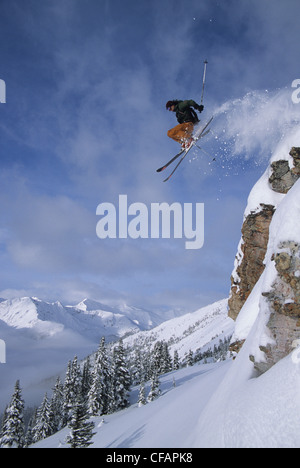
295,153
255,236
282,178
236,346
284,303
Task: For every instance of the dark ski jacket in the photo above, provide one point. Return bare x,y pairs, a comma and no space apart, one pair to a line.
184,111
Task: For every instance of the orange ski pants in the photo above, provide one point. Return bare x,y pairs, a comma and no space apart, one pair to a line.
181,132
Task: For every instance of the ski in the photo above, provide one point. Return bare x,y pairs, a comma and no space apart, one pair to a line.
197,137
180,153
171,160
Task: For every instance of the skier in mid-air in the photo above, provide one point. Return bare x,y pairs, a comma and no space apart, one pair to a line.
187,118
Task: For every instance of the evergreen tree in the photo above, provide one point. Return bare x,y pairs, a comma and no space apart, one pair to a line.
103,369
155,388
157,358
57,407
29,432
166,358
111,398
100,398
43,427
13,430
81,430
72,388
95,404
76,377
86,378
121,378
142,399
3,417
190,358
161,359
175,360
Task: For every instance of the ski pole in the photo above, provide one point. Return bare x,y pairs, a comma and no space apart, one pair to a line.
204,76
207,154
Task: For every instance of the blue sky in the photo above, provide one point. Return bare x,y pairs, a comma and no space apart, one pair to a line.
85,121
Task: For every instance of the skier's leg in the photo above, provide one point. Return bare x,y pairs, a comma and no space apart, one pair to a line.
181,132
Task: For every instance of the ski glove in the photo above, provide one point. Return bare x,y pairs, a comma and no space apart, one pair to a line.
199,108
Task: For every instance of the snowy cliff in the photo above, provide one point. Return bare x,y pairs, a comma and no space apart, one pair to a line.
265,280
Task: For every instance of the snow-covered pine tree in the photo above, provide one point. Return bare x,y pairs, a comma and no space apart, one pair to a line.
13,430
161,359
29,432
166,358
155,388
103,367
157,358
142,398
72,388
190,358
68,395
76,377
175,360
43,427
121,377
94,397
81,430
56,406
86,378
136,367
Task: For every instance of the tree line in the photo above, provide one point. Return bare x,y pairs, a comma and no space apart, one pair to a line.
98,386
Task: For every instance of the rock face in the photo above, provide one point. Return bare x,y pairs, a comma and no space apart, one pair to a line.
283,298
284,304
255,235
283,178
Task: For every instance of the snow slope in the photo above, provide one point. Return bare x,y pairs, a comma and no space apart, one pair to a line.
200,329
202,411
168,421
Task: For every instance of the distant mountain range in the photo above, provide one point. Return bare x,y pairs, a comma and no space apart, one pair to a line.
90,319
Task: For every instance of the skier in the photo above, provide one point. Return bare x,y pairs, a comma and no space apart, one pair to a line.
187,118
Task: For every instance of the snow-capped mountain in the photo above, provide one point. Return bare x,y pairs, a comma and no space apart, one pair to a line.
90,319
197,330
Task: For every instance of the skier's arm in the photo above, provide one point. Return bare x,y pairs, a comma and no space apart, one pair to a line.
190,103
